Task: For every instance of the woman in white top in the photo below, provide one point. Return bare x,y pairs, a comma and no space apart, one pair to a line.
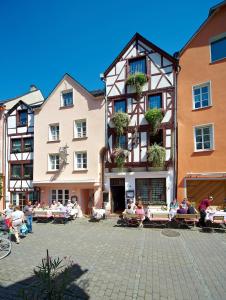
17,220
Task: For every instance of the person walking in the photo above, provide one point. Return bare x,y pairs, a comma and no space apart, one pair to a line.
17,220
28,211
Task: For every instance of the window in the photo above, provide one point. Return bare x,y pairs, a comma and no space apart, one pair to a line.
16,145
28,171
80,129
60,195
53,162
120,105
28,144
201,96
155,101
137,66
157,138
151,190
67,99
218,49
122,141
16,171
204,138
80,160
22,117
54,132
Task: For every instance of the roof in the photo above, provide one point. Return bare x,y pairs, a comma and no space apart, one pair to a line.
14,98
97,93
212,11
137,36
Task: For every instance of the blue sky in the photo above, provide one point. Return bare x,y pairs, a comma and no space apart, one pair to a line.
43,39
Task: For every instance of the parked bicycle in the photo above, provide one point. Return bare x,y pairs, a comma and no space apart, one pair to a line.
5,243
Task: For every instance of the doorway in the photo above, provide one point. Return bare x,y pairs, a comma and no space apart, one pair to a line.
117,186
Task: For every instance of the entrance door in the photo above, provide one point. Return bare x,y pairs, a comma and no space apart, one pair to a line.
22,200
118,194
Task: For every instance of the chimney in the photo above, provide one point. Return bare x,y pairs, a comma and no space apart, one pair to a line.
33,88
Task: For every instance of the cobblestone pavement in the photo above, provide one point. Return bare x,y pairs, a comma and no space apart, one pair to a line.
124,263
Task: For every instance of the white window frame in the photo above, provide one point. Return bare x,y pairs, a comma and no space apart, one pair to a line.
215,39
212,143
208,84
49,162
76,161
76,135
51,137
62,98
64,200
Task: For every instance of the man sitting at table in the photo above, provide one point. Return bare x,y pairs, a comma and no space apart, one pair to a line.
181,210
191,209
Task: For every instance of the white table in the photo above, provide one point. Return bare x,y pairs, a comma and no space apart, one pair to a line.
217,213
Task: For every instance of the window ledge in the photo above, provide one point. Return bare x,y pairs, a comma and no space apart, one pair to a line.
52,171
55,141
80,170
204,150
203,108
21,125
80,138
65,107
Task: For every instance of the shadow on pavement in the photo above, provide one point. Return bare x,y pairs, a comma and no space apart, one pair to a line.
29,288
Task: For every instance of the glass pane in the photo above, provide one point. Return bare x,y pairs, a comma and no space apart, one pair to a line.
67,99
137,66
207,145
205,103
23,117
206,130
197,91
28,144
155,101
197,98
197,104
198,131
206,137
28,171
16,171
120,106
205,96
218,49
66,194
205,89
199,139
198,146
122,142
16,145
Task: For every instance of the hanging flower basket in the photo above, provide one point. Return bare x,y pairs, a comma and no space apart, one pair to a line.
156,155
119,156
137,80
154,117
120,121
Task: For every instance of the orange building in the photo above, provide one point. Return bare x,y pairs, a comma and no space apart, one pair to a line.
202,111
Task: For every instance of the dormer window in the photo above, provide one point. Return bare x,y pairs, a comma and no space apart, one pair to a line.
22,117
137,66
67,99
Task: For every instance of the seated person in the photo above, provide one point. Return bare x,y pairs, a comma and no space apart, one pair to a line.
181,210
70,205
54,205
174,204
191,209
140,211
148,211
184,203
129,210
131,203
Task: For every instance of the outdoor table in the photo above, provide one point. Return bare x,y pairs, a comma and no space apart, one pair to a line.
218,213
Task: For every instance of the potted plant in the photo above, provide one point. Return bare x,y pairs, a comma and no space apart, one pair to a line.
137,81
120,121
156,155
120,155
154,117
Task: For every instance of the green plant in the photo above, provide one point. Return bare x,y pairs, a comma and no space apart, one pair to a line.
154,117
156,155
120,155
137,80
121,121
51,280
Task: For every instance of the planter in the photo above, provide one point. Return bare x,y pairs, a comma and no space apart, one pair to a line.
120,121
137,81
154,117
156,155
119,156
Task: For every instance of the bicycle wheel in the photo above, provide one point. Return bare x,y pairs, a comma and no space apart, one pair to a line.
5,247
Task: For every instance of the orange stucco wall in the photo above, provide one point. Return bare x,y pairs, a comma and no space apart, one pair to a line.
197,69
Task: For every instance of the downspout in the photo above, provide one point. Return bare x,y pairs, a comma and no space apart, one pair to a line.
5,157
175,136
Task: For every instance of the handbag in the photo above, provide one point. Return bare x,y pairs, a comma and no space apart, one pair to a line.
23,229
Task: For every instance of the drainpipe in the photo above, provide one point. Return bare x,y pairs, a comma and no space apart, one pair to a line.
175,136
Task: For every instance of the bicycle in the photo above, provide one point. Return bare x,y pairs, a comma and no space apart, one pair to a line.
5,243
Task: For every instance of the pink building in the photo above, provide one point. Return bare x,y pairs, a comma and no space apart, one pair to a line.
69,138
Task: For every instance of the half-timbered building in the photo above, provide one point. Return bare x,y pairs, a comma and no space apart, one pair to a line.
138,177
18,149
